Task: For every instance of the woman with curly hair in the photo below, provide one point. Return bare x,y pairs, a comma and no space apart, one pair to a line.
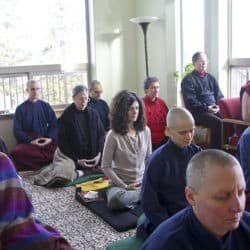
127,146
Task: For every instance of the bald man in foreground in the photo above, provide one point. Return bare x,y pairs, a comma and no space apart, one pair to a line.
164,181
215,218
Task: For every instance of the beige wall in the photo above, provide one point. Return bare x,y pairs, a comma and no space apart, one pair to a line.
6,131
120,59
115,45
161,46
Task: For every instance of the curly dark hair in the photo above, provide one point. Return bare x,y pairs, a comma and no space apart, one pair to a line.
119,112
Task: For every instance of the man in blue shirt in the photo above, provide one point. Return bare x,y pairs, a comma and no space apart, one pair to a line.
244,159
98,104
201,93
215,218
164,181
35,129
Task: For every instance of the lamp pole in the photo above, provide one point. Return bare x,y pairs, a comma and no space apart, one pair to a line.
144,27
144,22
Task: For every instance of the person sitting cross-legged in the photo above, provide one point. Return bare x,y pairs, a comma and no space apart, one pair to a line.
155,110
36,130
80,143
163,186
215,218
98,104
127,146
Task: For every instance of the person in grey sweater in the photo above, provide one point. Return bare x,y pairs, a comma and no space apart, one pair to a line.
127,146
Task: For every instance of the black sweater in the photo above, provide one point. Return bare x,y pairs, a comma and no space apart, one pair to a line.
81,133
200,91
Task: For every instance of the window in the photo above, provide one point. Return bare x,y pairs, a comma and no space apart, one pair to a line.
48,33
239,62
42,32
192,29
56,84
240,26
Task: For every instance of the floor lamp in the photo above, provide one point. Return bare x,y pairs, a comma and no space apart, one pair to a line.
144,21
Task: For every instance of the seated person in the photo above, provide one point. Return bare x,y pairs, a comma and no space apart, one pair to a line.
127,146
245,102
201,93
35,129
99,104
156,111
164,179
80,142
19,229
243,156
215,218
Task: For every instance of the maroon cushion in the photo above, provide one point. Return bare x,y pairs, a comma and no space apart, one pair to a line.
230,108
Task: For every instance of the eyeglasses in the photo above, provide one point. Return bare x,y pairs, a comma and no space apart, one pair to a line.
34,89
97,92
201,62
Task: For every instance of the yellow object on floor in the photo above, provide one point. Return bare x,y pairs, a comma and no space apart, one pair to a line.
94,185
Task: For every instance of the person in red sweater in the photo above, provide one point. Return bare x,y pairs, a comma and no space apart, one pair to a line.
156,111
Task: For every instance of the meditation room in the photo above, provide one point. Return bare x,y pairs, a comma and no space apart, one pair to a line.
124,125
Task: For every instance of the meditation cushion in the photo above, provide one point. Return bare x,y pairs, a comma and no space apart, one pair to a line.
121,220
130,243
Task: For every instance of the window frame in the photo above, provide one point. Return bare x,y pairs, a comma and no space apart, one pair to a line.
30,71
233,62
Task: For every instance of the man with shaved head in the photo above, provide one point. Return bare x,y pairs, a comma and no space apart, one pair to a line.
98,104
215,218
35,129
164,181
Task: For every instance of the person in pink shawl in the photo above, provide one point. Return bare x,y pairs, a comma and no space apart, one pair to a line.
19,229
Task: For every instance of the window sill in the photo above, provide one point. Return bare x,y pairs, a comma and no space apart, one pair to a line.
10,114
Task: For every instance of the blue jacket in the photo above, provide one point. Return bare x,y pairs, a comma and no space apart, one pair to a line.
37,118
244,155
102,108
163,186
200,91
183,231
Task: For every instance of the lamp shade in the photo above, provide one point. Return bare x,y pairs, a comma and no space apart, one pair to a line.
144,19
144,22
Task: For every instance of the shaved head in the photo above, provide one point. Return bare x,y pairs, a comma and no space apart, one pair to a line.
30,82
216,190
203,162
180,126
94,83
177,116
